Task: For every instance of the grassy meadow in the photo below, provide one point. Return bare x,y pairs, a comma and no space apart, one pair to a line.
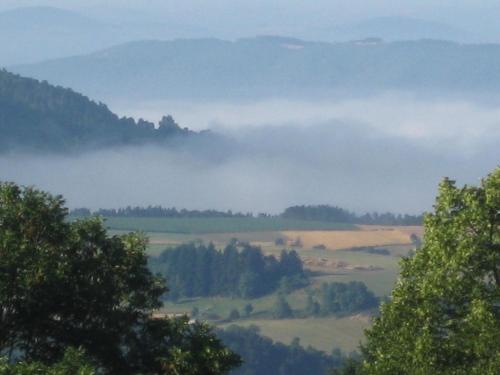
218,225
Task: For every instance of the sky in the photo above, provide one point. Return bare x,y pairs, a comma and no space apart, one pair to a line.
257,16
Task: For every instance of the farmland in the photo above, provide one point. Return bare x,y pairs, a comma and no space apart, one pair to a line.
219,225
332,252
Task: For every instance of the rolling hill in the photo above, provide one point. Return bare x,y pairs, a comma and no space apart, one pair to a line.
271,66
38,116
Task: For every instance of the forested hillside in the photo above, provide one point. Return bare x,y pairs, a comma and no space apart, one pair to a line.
38,116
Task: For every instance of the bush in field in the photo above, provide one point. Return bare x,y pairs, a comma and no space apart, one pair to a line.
234,315
282,309
248,309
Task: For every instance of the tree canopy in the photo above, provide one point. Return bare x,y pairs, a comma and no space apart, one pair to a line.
444,315
239,270
68,284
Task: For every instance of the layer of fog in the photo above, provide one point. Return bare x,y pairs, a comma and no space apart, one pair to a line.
383,153
462,122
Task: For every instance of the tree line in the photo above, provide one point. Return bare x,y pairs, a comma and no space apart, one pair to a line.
315,213
198,270
155,211
341,215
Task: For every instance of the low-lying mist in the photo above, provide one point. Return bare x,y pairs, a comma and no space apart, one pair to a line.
382,153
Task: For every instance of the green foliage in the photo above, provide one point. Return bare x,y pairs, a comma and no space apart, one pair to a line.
313,308
248,309
73,363
346,298
444,315
67,284
282,309
262,356
349,367
234,314
39,116
240,270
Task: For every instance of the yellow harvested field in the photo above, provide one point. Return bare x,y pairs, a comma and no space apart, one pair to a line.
366,236
409,230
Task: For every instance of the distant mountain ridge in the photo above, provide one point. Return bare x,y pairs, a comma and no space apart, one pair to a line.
36,116
400,28
38,33
271,66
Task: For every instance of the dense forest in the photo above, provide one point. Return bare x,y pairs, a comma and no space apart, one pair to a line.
262,356
239,270
324,213
38,116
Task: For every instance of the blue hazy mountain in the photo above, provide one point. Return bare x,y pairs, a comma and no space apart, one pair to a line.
272,66
400,28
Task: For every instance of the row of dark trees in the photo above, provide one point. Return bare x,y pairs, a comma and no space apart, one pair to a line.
156,211
314,213
340,215
239,270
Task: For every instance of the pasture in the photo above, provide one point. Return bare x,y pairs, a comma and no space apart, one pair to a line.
218,225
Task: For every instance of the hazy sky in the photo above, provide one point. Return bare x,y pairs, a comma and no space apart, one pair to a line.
283,15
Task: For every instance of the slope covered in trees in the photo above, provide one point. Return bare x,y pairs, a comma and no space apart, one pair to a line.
38,116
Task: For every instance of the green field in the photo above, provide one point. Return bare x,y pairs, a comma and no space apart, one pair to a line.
218,225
